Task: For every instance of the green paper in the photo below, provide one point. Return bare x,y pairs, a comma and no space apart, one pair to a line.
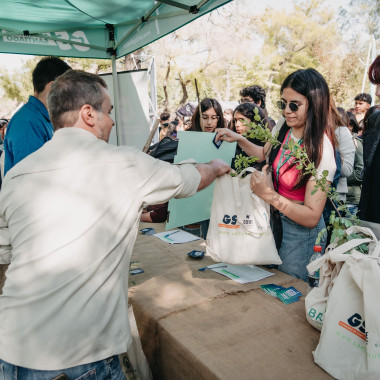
198,146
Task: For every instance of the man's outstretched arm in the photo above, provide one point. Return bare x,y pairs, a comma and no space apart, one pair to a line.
210,171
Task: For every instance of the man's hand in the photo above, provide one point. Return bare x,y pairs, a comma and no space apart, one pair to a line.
220,166
210,171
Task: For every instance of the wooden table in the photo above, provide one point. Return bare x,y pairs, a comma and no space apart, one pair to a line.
202,325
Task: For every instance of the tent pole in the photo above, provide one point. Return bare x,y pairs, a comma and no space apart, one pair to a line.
116,99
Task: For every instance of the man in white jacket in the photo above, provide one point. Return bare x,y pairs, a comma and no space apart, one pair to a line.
69,216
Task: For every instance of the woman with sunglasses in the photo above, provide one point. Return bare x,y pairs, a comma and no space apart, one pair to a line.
305,102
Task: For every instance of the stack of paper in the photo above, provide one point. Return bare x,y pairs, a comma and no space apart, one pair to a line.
176,236
241,273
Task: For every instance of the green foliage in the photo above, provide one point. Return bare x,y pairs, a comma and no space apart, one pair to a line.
341,219
235,46
256,129
243,162
19,86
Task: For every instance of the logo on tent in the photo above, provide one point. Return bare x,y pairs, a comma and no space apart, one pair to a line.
77,36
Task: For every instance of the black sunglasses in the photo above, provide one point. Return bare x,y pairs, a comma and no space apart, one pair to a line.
282,105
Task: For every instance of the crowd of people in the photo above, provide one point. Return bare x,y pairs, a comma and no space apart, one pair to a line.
333,139
70,203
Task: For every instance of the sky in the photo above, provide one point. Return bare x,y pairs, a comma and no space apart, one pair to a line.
14,62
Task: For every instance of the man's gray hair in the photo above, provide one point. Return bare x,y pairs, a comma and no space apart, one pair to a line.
69,92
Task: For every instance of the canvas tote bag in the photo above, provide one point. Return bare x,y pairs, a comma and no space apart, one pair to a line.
349,347
134,363
239,231
329,266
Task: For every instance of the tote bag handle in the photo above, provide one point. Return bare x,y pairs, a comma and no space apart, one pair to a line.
337,254
261,224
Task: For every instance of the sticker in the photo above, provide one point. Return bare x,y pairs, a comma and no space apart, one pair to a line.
148,231
196,254
136,271
217,143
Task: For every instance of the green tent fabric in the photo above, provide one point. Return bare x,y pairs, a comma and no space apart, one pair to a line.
92,28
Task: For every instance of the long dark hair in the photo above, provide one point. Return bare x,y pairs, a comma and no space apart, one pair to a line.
248,110
311,84
353,122
206,104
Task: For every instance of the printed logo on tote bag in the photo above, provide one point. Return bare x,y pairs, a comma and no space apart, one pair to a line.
229,222
355,325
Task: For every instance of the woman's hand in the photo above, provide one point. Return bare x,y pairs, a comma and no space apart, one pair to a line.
226,134
260,184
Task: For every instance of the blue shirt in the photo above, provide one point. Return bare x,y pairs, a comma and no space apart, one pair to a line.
27,131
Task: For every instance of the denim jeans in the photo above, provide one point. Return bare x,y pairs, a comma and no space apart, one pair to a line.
297,246
107,369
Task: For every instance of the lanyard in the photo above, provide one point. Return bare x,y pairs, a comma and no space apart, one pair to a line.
283,161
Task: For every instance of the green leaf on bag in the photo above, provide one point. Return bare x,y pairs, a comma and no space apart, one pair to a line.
363,248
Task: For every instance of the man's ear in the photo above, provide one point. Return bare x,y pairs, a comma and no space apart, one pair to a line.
87,114
48,87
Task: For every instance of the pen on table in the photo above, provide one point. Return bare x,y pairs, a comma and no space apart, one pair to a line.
171,233
221,266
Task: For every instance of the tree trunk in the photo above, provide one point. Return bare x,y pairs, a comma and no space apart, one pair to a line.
184,89
165,87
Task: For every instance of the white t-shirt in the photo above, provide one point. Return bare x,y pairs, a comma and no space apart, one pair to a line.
69,216
328,157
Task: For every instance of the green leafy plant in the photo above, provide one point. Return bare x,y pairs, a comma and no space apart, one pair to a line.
340,219
243,162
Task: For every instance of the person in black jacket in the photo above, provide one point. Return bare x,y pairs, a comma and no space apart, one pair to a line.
369,205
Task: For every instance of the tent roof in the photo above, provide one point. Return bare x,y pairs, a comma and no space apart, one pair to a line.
92,28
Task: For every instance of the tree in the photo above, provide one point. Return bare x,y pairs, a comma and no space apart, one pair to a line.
235,46
365,13
18,86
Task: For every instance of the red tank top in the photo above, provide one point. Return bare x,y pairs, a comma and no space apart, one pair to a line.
287,178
